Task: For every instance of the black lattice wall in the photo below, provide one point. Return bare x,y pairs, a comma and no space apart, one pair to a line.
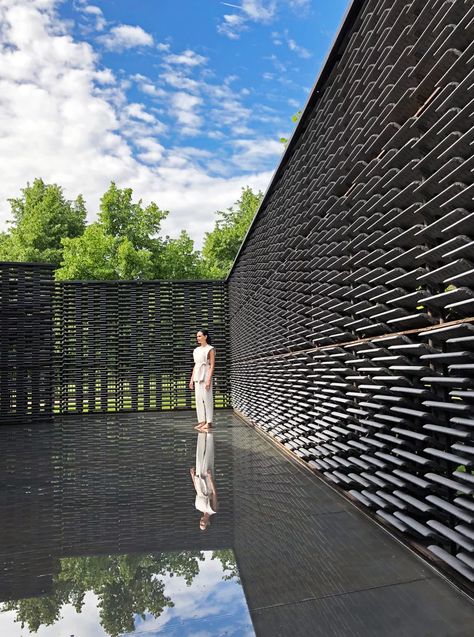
84,347
355,285
26,344
127,346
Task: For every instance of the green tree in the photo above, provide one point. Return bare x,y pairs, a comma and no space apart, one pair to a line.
4,246
89,256
229,564
42,217
126,585
179,259
294,118
121,218
123,244
222,244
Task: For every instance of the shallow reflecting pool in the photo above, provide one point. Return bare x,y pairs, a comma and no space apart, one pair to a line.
135,524
182,593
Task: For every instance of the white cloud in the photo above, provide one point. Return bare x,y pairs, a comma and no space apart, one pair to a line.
67,120
242,130
232,26
152,152
263,113
251,11
146,86
86,623
198,609
89,8
95,13
138,112
251,152
280,38
230,111
258,10
193,196
215,134
299,50
187,58
183,106
186,98
299,5
124,37
276,63
105,76
179,80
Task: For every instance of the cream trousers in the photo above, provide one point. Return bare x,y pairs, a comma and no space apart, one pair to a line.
204,402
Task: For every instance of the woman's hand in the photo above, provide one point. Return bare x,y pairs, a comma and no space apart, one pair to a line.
208,385
191,384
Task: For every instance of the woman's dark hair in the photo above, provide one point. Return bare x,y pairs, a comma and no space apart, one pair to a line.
207,335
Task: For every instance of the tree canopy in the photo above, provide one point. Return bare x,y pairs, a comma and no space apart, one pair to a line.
125,242
222,244
180,260
42,218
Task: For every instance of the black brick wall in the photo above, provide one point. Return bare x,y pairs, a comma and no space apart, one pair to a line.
26,343
127,346
352,299
96,347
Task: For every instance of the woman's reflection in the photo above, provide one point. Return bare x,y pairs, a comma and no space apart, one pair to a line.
203,479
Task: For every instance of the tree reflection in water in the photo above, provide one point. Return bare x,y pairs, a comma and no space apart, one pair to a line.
125,585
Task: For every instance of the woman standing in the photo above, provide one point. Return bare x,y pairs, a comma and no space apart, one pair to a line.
201,380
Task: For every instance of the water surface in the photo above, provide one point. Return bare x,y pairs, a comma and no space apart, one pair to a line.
134,524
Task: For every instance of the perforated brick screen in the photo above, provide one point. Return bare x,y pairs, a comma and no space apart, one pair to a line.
352,299
84,347
26,342
127,346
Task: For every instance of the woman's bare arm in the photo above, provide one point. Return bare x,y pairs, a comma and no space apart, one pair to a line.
212,364
192,471
191,381
213,494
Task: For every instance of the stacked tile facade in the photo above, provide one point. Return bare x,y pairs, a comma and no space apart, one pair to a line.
103,346
26,342
352,298
127,345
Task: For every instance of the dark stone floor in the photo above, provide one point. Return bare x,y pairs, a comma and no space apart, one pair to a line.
309,562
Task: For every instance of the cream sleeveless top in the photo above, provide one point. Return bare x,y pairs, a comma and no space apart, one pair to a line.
201,363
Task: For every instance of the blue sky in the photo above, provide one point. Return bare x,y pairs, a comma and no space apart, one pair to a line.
184,102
